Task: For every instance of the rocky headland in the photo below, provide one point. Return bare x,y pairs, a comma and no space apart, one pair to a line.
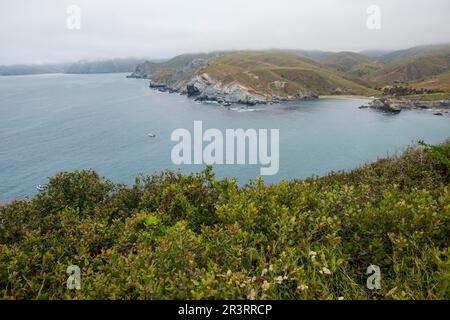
266,77
247,78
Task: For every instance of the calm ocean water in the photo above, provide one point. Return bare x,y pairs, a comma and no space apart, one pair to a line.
50,123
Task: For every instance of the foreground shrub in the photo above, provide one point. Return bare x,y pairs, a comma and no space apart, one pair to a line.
174,236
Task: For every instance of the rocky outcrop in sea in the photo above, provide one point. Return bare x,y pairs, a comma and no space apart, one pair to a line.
383,104
395,106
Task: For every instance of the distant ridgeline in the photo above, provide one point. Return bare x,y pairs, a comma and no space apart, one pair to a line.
251,77
103,66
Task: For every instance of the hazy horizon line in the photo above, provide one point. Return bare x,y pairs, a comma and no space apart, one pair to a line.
168,57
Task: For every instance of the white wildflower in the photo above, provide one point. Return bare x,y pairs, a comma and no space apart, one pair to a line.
325,271
303,287
251,295
279,280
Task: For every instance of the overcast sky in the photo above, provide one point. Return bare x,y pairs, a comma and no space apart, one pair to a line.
35,31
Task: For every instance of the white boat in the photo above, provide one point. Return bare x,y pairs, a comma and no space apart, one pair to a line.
151,135
41,187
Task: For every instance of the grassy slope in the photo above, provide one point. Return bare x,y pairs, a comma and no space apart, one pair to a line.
415,52
440,82
412,69
163,72
265,72
174,236
411,65
344,61
262,72
353,66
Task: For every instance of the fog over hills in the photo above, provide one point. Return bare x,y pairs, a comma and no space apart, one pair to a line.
100,66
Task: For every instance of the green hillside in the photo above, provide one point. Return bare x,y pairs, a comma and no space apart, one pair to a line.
172,236
411,65
412,69
293,73
439,82
345,61
280,74
415,52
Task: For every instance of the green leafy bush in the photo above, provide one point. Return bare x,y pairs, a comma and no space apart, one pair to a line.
174,236
441,154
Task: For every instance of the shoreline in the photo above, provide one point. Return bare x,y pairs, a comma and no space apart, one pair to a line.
345,97
438,106
397,105
226,103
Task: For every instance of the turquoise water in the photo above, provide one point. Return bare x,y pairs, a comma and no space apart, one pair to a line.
50,123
